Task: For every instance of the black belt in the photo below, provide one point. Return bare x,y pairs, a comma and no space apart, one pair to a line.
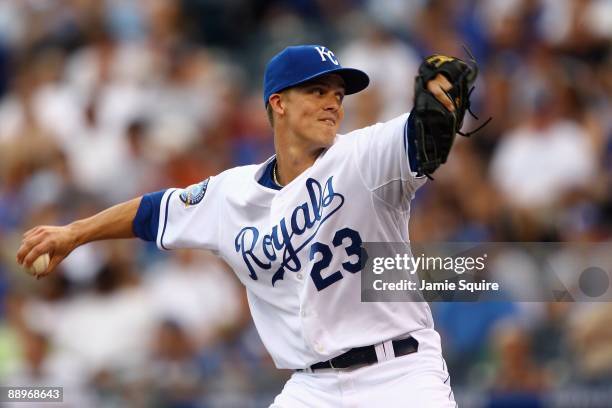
367,355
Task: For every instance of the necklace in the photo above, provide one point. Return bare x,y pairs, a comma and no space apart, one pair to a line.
274,175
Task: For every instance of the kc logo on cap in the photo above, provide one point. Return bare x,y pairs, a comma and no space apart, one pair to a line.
324,52
302,63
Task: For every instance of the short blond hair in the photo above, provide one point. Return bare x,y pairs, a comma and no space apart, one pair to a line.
270,113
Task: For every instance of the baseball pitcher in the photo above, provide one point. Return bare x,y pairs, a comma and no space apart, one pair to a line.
292,229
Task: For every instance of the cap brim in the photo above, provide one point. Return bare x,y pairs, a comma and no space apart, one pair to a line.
354,80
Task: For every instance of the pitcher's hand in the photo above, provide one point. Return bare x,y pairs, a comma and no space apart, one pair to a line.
58,242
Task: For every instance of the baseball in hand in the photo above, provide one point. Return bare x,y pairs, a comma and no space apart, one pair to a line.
39,265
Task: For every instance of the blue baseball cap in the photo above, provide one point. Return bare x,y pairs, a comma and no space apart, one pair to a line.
298,64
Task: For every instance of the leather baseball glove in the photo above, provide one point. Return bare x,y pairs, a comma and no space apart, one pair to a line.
434,125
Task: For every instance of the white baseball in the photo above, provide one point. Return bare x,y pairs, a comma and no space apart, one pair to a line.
39,265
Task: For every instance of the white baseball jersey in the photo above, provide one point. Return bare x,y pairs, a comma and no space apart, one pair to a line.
297,249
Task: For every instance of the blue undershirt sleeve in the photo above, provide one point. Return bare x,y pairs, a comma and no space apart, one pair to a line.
146,221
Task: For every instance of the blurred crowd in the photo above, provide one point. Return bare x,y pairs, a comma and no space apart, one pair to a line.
102,101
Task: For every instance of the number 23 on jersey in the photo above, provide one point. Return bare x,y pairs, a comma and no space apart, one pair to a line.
347,239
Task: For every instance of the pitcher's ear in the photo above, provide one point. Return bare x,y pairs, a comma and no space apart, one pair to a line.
277,104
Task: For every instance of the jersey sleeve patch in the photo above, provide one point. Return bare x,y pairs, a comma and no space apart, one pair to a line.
193,194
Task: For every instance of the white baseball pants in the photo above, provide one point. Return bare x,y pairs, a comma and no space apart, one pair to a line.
418,380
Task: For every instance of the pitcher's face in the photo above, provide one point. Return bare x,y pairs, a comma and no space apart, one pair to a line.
314,109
